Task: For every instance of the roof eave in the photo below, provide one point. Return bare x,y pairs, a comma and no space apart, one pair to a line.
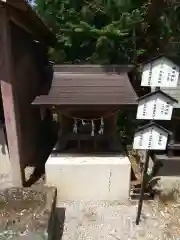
155,125
161,55
82,68
156,92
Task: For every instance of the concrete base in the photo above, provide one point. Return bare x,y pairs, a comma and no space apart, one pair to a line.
5,165
85,177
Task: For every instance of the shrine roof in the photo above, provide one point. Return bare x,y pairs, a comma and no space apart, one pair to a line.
89,85
153,124
158,92
172,58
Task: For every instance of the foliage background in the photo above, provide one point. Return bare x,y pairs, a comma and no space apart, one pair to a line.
112,32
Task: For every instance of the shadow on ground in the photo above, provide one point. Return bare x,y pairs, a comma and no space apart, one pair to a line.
59,223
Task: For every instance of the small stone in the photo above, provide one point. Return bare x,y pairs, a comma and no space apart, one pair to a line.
113,231
162,213
141,235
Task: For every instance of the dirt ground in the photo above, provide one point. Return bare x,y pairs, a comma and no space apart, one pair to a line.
102,220
116,221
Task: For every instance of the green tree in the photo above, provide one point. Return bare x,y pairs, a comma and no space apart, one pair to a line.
95,31
111,31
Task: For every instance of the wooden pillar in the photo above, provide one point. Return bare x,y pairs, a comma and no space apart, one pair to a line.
114,124
114,140
7,80
60,121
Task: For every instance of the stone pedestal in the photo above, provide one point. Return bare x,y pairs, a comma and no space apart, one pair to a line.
5,165
83,177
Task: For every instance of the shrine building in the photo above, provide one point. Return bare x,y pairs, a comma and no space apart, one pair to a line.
86,100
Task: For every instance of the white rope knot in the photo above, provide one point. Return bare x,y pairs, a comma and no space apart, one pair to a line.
83,122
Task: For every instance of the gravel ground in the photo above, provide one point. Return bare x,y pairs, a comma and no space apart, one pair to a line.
116,221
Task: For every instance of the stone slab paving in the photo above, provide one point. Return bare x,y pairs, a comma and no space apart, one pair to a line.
27,213
116,221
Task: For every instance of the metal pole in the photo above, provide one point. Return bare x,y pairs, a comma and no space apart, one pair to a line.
142,187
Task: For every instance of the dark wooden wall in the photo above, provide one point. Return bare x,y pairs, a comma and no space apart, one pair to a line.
23,69
29,63
1,110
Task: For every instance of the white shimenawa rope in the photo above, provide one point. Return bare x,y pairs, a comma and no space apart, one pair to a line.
83,122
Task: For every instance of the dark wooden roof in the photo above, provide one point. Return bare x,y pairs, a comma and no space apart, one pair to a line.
23,15
157,92
171,57
88,68
89,85
153,124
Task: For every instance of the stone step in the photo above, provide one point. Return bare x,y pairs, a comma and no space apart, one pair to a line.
174,146
170,165
165,157
31,213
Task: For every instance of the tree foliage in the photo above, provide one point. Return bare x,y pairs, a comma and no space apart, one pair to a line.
111,31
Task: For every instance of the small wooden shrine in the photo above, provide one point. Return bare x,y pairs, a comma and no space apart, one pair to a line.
87,99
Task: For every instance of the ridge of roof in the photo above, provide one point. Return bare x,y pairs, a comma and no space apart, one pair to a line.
92,68
156,92
171,58
153,124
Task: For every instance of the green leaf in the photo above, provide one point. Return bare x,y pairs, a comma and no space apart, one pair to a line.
78,30
105,28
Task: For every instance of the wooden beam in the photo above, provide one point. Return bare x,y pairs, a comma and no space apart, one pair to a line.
26,17
17,4
7,80
23,22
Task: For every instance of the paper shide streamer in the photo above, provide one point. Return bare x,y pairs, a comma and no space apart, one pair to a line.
92,122
75,126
